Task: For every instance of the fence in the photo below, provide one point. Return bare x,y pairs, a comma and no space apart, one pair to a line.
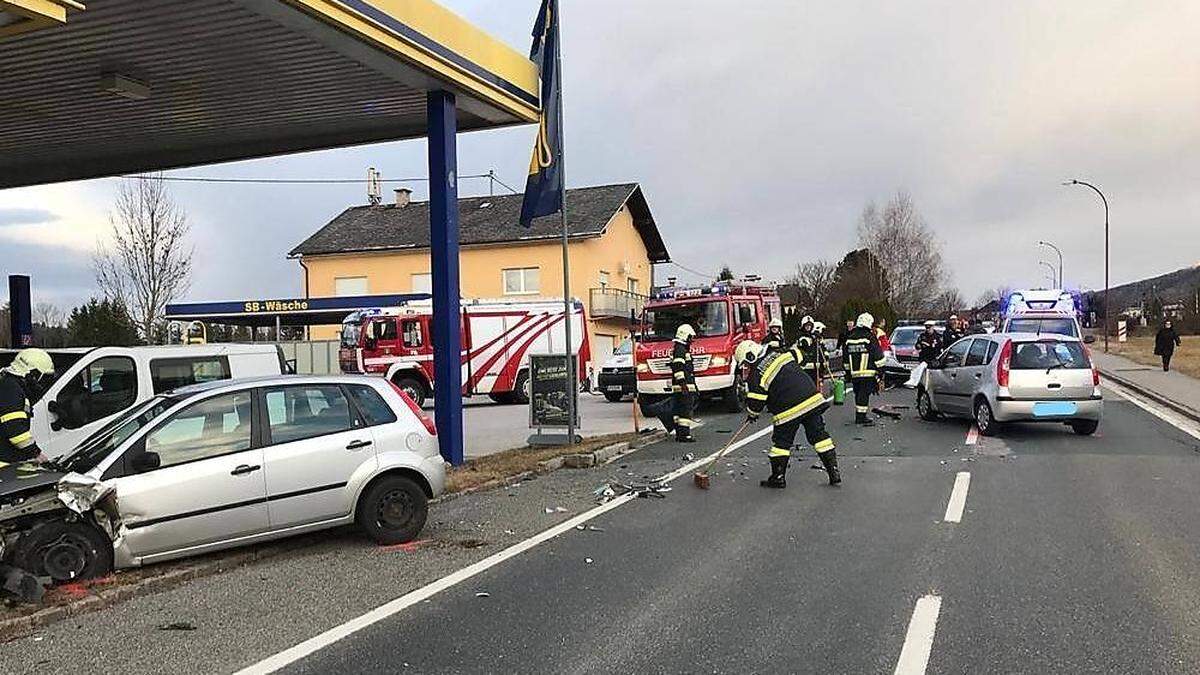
315,357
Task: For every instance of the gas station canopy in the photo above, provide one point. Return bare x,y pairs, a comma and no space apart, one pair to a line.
123,86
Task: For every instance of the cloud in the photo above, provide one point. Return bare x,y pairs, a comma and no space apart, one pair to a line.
18,216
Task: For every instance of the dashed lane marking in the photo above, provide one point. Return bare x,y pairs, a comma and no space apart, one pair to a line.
918,643
958,497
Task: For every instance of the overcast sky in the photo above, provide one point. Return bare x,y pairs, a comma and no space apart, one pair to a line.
760,129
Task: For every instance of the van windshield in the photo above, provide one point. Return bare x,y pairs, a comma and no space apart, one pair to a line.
1054,326
350,332
96,447
1047,354
906,337
708,318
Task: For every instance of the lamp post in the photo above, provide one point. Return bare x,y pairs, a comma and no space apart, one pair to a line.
1051,268
1060,260
1106,300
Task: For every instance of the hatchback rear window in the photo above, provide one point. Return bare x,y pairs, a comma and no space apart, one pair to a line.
1049,354
1039,326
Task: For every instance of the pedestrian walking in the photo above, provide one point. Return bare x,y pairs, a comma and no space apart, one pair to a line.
683,384
1165,342
22,383
776,383
864,359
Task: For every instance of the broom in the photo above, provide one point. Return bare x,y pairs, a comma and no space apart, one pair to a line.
700,478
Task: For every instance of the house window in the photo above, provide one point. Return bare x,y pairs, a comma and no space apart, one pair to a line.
603,279
631,285
422,283
522,281
343,286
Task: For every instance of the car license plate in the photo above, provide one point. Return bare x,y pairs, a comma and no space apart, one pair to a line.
613,387
1053,408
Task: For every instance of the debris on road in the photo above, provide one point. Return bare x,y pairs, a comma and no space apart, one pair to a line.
588,561
608,491
483,594
178,625
555,509
20,585
689,457
589,528
886,412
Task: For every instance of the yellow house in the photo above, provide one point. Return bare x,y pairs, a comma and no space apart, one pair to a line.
613,240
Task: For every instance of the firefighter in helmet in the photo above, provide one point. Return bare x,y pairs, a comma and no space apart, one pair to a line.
776,382
22,383
807,348
774,339
683,383
864,358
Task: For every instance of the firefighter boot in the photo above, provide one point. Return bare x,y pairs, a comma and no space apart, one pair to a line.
778,469
861,419
829,459
683,434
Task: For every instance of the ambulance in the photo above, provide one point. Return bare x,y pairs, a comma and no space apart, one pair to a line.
498,336
723,315
1036,311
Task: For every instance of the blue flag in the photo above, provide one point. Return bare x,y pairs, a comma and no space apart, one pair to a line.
544,187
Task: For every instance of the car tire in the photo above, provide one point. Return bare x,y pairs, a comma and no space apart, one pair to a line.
733,399
414,388
520,392
1085,427
502,399
925,407
64,551
614,396
984,419
393,510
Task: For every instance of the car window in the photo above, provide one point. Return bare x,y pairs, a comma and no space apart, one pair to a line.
903,337
1049,354
626,347
954,356
210,428
306,411
104,387
1038,326
371,405
977,354
992,349
412,334
168,374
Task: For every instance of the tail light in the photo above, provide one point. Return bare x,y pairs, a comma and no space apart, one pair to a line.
1004,364
1095,373
416,410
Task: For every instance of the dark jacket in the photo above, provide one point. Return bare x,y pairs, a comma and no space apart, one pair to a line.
950,336
1166,341
16,440
683,373
863,354
778,384
929,346
806,351
773,341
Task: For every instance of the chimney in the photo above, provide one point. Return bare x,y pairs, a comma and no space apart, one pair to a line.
403,196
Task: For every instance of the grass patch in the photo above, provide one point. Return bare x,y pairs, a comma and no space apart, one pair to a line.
1141,350
501,465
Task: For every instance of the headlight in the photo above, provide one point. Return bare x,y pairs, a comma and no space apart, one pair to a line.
643,368
719,362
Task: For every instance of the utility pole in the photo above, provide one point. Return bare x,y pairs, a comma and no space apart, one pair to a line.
1106,287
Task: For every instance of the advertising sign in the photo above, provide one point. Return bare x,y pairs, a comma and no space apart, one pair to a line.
549,390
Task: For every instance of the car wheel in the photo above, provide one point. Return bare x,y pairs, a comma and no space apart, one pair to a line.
393,510
988,426
520,393
925,406
64,551
614,396
414,389
1085,427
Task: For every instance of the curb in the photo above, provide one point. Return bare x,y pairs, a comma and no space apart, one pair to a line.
608,453
1187,412
24,626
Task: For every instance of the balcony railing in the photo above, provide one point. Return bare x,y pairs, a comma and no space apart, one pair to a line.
616,303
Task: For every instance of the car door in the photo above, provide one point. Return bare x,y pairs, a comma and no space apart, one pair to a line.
85,398
316,442
970,377
209,487
947,394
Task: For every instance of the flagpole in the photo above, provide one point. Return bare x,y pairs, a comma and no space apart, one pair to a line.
572,380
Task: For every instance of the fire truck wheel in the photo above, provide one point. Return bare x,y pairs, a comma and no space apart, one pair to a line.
520,392
414,389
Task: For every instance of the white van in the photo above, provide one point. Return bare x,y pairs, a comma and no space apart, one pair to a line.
94,384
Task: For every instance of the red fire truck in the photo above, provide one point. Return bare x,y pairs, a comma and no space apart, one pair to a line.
497,338
723,315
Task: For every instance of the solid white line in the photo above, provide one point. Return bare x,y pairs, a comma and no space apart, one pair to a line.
973,435
914,657
316,643
1169,416
958,497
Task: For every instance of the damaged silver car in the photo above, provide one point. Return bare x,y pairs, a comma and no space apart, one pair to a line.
224,464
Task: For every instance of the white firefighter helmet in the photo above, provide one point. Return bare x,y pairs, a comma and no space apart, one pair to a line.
30,361
747,351
818,327
775,323
865,320
930,324
807,320
685,332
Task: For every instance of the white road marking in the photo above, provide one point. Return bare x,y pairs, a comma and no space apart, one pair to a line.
958,497
1169,416
973,435
316,643
914,657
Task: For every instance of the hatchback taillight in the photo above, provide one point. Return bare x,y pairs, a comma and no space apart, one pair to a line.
416,410
1095,373
1004,364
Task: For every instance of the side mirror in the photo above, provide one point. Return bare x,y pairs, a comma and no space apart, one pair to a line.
145,461
56,410
69,411
1089,339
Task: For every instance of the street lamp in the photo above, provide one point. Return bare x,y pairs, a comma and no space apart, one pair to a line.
1106,300
1060,260
1053,283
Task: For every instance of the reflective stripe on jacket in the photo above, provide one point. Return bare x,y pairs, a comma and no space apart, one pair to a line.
863,355
778,384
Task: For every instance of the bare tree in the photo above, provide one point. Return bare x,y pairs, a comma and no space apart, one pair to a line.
991,294
816,278
908,250
149,261
49,315
947,302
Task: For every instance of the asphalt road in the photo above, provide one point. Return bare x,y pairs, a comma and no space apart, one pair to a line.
490,427
1072,555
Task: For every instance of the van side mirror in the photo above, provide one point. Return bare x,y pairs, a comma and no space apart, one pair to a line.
144,461
1089,339
68,411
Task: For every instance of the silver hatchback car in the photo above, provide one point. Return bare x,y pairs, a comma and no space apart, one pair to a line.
1011,377
222,464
